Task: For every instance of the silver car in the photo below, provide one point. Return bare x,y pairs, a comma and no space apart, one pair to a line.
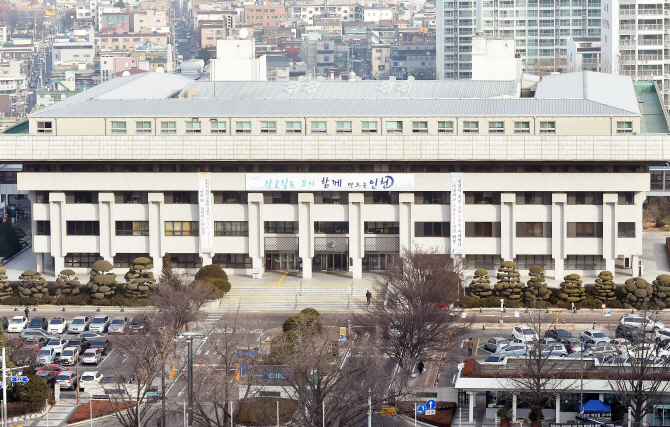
118,325
79,324
495,343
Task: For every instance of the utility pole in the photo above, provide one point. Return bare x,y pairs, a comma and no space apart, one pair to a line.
369,407
4,389
190,382
163,423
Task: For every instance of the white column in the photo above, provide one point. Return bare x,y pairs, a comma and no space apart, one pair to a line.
58,230
471,404
256,233
610,230
406,224
356,233
306,235
558,408
39,257
558,232
156,227
107,226
514,407
206,259
507,229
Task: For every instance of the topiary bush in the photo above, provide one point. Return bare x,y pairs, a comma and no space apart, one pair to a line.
5,288
209,272
480,287
536,289
637,292
32,285
139,279
103,281
308,318
509,283
68,285
605,287
661,290
572,289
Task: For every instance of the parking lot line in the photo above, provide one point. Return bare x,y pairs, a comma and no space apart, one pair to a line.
477,348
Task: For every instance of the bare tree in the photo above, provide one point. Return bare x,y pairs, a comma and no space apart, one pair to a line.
414,306
180,304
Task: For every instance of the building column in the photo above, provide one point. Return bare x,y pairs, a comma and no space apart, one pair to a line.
507,229
558,408
58,230
514,407
156,227
558,232
306,234
39,258
356,233
406,224
256,234
610,230
107,226
471,406
206,259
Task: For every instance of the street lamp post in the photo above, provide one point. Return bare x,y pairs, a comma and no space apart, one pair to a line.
573,316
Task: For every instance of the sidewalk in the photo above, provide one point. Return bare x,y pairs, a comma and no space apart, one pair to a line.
57,415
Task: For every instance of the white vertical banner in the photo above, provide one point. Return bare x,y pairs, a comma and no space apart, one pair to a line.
205,207
457,218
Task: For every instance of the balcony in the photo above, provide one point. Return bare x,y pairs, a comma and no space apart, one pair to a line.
650,11
627,11
650,57
649,42
649,27
627,27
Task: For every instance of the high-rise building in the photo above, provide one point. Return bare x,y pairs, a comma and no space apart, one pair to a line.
540,29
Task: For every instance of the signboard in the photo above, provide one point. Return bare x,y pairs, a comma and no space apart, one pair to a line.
607,313
431,404
329,181
256,271
457,218
420,408
205,206
343,333
516,313
19,379
430,412
388,411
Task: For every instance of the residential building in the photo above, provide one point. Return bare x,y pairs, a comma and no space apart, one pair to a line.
211,31
111,64
414,55
72,52
265,15
12,76
327,175
115,22
381,61
322,56
584,54
149,19
236,60
130,41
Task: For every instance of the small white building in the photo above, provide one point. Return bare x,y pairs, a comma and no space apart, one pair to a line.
236,61
494,59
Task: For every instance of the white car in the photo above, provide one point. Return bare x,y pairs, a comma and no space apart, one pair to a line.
90,377
524,333
595,335
69,356
57,325
92,356
46,355
17,324
58,345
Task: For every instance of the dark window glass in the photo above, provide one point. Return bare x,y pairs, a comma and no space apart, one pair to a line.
281,227
132,228
533,198
43,228
124,260
230,197
381,197
231,228
181,228
626,229
585,198
382,227
432,198
331,197
83,228
232,260
186,260
533,229
280,197
41,197
81,260
482,229
627,198
331,227
432,229
482,198
585,229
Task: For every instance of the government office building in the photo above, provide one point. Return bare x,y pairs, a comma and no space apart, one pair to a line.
327,175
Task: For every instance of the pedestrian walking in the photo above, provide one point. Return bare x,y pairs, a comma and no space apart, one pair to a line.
471,345
27,311
420,366
368,296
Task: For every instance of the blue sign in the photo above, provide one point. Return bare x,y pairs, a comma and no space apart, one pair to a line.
19,379
420,408
430,404
607,313
152,393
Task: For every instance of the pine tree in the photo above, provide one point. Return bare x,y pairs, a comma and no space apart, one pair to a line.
536,288
509,283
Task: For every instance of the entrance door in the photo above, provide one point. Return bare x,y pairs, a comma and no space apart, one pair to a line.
331,262
281,261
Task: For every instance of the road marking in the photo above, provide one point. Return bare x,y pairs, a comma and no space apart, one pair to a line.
282,278
105,359
477,348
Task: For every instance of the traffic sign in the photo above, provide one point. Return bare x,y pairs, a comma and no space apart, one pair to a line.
420,408
388,411
607,313
430,404
19,379
430,412
516,313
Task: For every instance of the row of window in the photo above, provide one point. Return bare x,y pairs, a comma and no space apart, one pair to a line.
321,127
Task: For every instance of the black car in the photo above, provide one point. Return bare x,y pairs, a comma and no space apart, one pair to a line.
34,341
138,324
629,332
572,345
104,345
557,334
38,323
81,343
49,377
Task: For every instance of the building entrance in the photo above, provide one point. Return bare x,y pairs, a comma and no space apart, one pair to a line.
331,262
282,261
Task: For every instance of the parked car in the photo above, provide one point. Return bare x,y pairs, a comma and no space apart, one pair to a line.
514,349
57,325
38,323
496,359
600,348
595,335
79,324
630,332
622,345
524,333
17,324
99,323
557,334
104,345
67,379
642,321
53,367
495,343
69,356
643,350
46,355
92,335
49,377
35,341
58,345
81,343
113,379
543,342
555,349
90,377
138,324
119,325
92,355
662,336
36,333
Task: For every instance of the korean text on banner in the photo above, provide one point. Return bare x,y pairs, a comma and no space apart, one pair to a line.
457,218
205,208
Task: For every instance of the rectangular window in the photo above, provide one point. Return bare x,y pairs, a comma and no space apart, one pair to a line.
626,229
445,127
369,127
293,127
496,127
318,127
280,197
331,227
585,229
584,262
181,197
432,229
168,127
186,260
193,127
331,197
142,127
489,262
131,197
43,228
232,260
547,127
81,260
181,228
44,127
432,198
268,127
231,228
394,127
217,126
132,228
281,227
627,198
419,127
230,197
124,260
118,127
83,228
624,127
343,127
482,198
242,127
533,229
533,198
41,197
585,198
381,197
82,197
382,227
471,127
521,127
482,229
